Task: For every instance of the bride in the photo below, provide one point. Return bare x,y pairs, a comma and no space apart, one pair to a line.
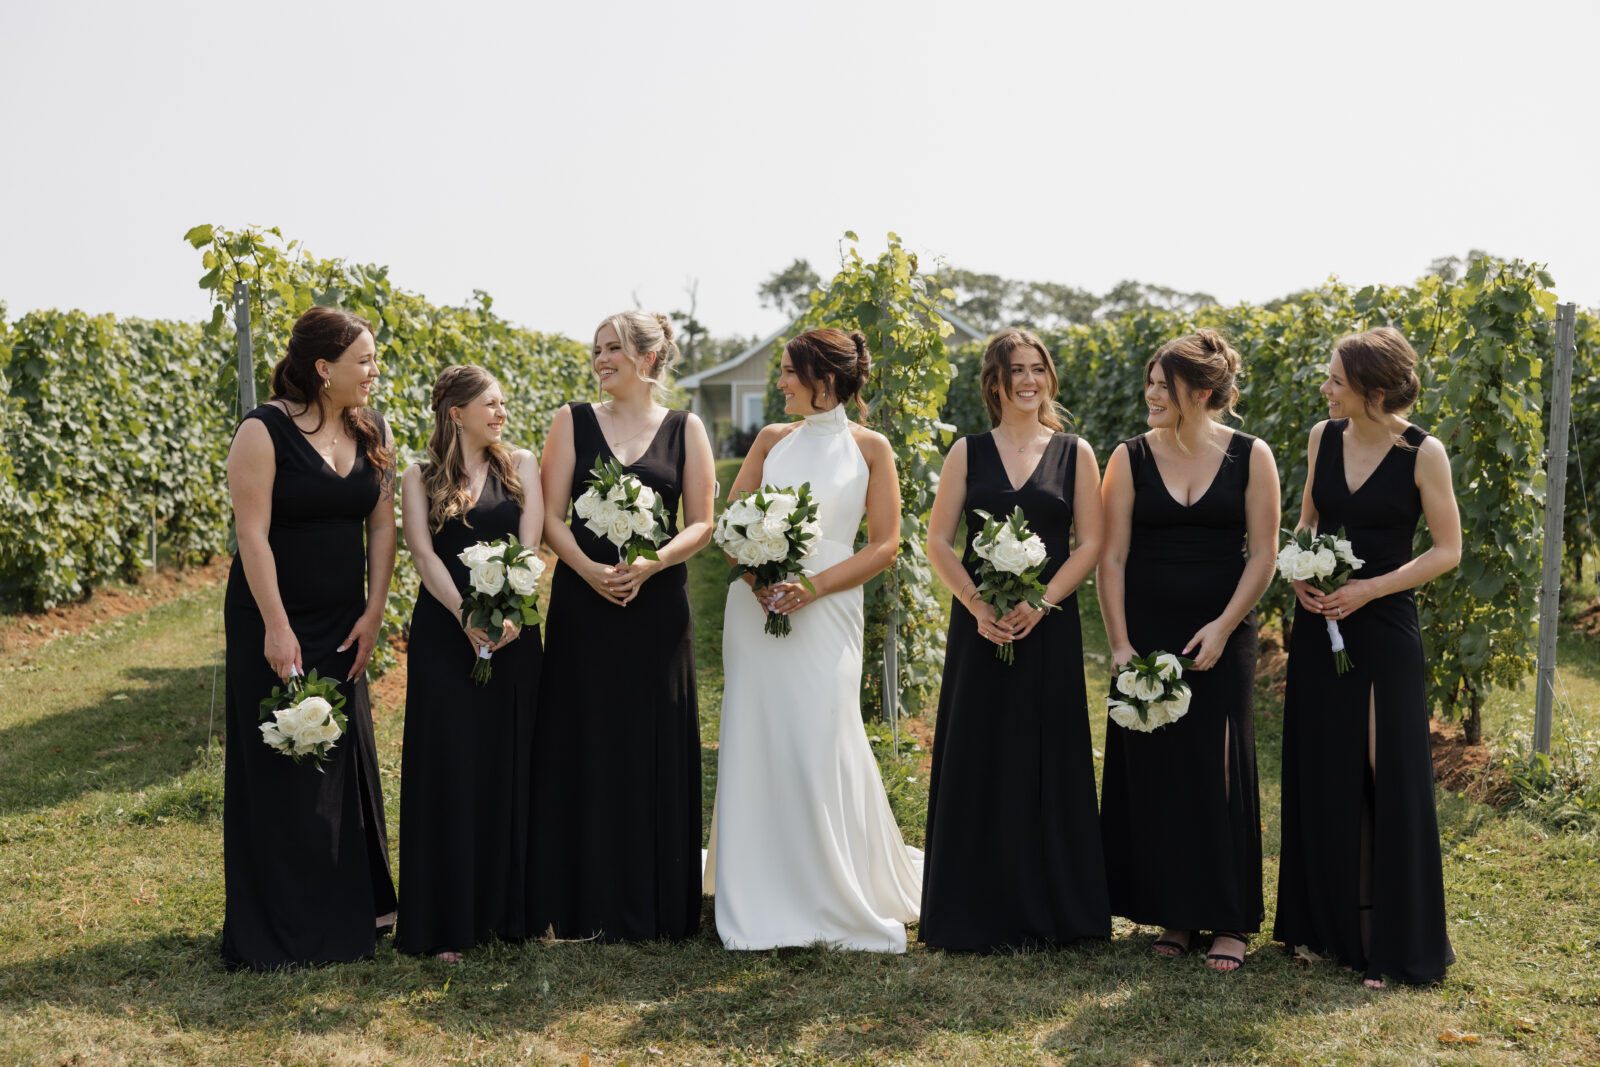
804,848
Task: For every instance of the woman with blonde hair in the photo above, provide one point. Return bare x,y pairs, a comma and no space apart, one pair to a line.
616,831
464,774
1013,775
1360,879
1191,511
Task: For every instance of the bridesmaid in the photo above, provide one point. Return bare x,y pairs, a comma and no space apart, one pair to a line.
1191,511
617,739
1013,845
464,773
311,478
1361,879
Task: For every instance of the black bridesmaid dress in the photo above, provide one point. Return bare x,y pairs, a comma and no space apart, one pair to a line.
1183,842
616,783
1328,791
464,776
305,853
1013,846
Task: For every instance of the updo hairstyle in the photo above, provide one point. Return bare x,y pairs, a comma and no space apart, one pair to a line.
647,341
1380,365
831,361
445,478
995,375
1201,360
325,333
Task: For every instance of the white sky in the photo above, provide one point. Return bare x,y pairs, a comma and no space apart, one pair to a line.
565,156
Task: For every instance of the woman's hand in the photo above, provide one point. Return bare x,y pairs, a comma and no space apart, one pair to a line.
599,576
283,653
510,630
364,635
1309,597
627,579
1120,655
1021,619
1207,645
1349,598
786,598
990,627
477,636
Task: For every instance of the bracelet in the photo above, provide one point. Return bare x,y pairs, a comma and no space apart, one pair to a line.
963,596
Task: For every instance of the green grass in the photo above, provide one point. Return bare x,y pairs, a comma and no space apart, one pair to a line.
111,903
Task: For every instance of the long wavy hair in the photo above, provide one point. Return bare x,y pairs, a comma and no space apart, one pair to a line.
325,333
995,376
445,477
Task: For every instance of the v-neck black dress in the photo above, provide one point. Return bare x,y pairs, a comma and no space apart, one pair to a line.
616,816
464,775
1180,812
305,854
1326,784
1013,854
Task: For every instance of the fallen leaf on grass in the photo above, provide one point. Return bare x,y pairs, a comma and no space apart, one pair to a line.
1453,1037
1525,1026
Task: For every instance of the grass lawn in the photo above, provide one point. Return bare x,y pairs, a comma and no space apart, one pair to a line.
111,904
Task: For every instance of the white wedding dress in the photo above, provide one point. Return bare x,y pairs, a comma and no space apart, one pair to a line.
804,848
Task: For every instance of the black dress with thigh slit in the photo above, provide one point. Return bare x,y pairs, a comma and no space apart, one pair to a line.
1328,791
615,840
464,776
1013,845
305,854
1180,811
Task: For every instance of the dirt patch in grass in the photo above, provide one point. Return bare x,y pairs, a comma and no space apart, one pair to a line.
21,632
1272,662
1460,767
389,691
1587,621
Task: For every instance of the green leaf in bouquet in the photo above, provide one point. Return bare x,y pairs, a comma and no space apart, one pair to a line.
497,619
735,573
803,580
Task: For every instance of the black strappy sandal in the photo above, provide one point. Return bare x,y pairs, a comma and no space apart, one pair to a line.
1183,947
1238,960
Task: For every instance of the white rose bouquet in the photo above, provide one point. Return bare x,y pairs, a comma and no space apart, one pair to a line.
1149,691
504,584
1013,556
769,533
1326,561
623,510
303,717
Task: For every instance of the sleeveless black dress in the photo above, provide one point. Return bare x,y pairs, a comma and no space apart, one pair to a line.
1013,846
464,778
1183,844
1326,784
616,783
305,853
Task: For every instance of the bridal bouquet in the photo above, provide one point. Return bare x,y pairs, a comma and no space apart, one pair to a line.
303,717
1149,692
1327,561
770,533
504,577
623,510
1013,555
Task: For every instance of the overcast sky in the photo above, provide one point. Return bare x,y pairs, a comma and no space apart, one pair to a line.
565,157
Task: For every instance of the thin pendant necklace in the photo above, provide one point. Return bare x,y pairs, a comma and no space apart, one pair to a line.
1008,442
613,444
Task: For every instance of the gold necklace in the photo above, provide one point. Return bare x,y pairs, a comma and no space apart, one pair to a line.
625,440
1007,440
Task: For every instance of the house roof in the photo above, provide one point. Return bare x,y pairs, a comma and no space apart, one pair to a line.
693,381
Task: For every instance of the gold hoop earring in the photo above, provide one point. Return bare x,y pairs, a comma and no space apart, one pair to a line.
326,384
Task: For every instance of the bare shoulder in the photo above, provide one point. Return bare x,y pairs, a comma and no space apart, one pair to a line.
1086,450
1315,437
412,478
1260,451
957,450
871,442
251,440
773,432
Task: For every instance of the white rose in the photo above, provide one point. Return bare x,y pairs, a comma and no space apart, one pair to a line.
617,493
1342,549
983,549
748,553
646,498
1124,715
587,503
1155,715
642,522
316,733
292,719
1147,689
729,540
1009,555
274,736
1178,706
523,580
781,505
773,526
1168,666
742,512
1035,550
1325,561
1304,568
473,555
773,547
489,577
1125,682
619,527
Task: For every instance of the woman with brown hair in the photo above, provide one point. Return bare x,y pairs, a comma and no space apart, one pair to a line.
1013,841
311,477
616,779
1360,879
464,798
1191,536
804,847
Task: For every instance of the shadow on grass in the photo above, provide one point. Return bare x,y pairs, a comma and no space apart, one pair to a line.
150,736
